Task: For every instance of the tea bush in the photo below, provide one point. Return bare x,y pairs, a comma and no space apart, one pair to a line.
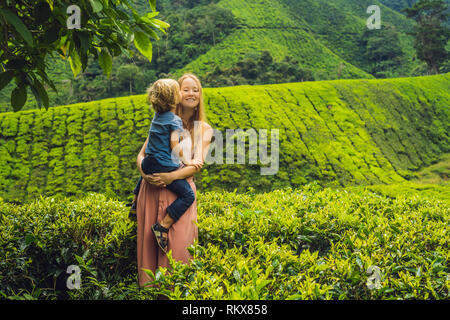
340,133
41,239
304,243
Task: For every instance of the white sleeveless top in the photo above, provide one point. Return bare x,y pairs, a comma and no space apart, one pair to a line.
186,146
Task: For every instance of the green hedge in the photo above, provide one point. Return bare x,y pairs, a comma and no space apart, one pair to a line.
41,239
339,133
306,243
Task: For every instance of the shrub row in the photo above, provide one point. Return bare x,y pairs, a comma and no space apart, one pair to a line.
339,133
305,243
41,239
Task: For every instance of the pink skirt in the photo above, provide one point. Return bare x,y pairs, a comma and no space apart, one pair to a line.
152,202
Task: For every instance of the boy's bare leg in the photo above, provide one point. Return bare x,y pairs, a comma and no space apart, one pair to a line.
167,221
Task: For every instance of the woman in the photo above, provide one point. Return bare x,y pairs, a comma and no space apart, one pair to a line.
153,198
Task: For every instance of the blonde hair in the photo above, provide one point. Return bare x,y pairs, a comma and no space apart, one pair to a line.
164,95
199,112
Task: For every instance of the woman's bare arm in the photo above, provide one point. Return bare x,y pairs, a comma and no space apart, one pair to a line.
141,156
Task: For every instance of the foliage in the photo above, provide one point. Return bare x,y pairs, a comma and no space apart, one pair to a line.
305,243
431,33
206,36
40,240
338,133
34,30
258,69
383,51
192,33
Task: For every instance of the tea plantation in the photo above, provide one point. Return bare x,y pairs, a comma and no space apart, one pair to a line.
359,208
338,133
305,243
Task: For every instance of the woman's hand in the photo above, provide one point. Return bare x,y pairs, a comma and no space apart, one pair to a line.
165,177
153,179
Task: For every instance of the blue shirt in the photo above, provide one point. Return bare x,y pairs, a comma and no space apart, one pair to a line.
158,145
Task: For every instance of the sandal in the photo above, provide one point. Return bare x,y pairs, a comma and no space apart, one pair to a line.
158,231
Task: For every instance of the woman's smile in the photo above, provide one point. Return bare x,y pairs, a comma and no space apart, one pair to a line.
189,93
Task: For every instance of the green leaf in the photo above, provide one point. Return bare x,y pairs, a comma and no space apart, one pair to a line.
18,97
42,12
149,31
50,3
150,273
236,275
359,263
18,25
160,23
79,260
47,80
96,5
5,78
41,92
75,63
105,61
143,44
152,4
37,96
150,15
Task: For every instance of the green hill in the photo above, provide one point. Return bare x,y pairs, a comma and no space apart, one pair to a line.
338,133
326,39
323,36
398,5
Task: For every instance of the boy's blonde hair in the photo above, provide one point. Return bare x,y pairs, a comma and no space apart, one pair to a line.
164,95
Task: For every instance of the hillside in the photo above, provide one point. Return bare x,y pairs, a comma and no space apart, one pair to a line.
323,36
324,39
338,133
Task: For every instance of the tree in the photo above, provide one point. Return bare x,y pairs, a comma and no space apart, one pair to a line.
258,68
431,34
129,73
383,51
31,30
